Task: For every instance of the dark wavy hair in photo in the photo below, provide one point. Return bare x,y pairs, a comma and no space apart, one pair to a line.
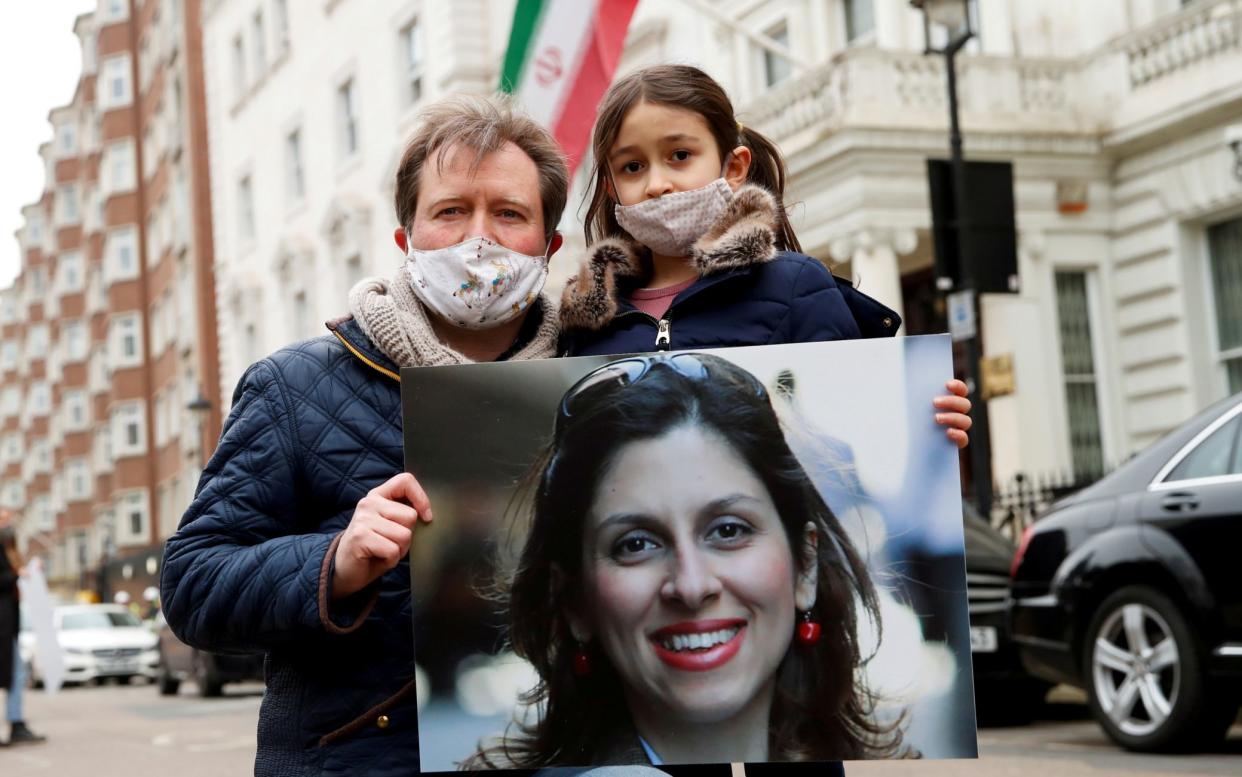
822,710
686,87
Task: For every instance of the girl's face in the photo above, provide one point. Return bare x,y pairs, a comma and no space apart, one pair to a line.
690,584
661,149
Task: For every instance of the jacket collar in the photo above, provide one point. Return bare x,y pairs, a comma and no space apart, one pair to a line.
743,236
348,331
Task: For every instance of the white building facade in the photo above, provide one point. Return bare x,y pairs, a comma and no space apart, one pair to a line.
1115,115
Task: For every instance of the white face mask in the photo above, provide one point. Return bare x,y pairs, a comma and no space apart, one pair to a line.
477,284
670,224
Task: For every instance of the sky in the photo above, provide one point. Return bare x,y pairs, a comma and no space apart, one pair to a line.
41,61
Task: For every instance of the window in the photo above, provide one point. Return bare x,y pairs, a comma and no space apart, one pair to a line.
295,182
161,428
133,509
301,316
411,41
76,344
346,108
37,282
40,398
120,166
10,401
258,40
66,138
78,475
9,355
89,50
36,340
353,270
11,449
859,19
116,84
1078,366
776,68
115,10
67,204
245,208
40,509
239,68
1218,455
76,411
122,253
128,430
1225,249
282,24
41,454
69,273
124,348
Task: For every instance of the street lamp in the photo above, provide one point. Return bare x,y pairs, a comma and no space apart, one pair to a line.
200,406
953,17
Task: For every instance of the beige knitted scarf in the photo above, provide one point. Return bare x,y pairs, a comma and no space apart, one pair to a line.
397,322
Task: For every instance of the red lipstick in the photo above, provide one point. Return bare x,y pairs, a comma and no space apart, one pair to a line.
698,659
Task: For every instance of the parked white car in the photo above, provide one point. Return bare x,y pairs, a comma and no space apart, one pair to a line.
98,641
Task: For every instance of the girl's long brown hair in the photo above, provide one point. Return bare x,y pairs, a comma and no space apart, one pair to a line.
687,87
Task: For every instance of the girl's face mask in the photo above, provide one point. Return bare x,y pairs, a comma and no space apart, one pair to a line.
476,284
669,225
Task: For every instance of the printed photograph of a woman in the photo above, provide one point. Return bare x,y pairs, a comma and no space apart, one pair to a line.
675,584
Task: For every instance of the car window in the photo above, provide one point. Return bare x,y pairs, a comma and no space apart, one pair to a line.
97,620
1215,456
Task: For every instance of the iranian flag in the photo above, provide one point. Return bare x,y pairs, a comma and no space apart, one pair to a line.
561,57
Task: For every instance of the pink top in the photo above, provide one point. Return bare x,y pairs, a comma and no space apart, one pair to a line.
656,302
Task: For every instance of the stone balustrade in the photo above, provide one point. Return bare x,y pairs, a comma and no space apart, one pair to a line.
1182,40
1122,86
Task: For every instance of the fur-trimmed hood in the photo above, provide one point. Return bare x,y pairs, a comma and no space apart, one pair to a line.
743,236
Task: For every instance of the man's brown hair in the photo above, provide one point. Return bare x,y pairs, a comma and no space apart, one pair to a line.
482,125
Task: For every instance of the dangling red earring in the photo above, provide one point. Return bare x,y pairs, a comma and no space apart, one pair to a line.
582,661
808,630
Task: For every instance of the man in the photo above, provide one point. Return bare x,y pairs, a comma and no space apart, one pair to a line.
296,541
11,674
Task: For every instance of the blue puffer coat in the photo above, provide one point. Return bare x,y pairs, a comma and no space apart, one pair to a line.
748,293
313,428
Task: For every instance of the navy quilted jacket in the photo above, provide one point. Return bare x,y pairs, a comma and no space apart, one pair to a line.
312,429
748,293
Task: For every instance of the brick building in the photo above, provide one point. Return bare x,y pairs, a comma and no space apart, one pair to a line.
109,399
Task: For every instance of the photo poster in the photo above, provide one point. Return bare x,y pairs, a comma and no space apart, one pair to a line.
858,416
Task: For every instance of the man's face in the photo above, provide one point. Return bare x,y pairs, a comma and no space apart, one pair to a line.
500,201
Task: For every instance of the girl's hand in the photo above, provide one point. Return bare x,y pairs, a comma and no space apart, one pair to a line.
952,412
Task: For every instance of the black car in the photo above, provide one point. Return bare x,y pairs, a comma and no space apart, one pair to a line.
1132,589
1004,691
209,671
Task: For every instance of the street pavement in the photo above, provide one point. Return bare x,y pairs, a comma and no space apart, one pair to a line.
132,731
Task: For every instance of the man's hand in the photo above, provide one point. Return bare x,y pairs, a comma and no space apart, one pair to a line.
379,534
957,406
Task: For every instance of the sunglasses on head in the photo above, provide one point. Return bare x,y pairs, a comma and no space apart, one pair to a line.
627,372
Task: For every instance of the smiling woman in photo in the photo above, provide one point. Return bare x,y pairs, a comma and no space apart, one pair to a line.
683,591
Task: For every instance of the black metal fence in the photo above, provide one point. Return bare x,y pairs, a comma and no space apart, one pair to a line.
1020,502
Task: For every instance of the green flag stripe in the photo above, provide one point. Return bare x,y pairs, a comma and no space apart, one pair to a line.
525,22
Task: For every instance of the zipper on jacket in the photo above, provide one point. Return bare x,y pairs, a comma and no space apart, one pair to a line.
664,334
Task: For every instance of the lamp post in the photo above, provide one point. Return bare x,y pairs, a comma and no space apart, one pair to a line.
953,16
200,406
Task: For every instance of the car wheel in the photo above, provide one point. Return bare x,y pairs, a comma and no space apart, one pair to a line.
1145,676
205,678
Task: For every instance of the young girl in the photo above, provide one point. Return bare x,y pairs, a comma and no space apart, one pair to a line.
690,245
